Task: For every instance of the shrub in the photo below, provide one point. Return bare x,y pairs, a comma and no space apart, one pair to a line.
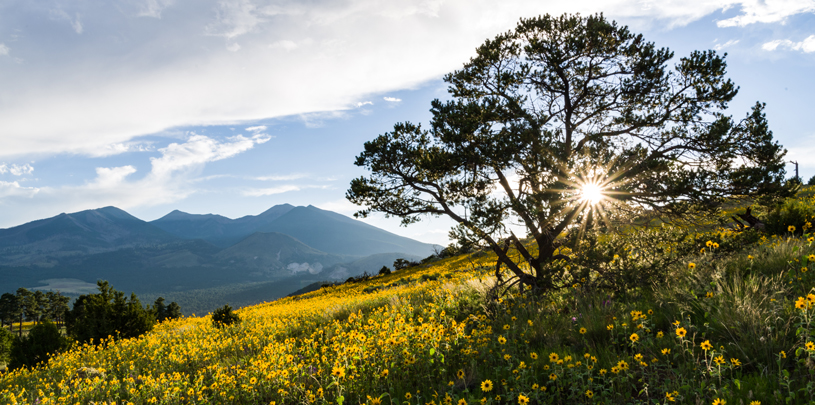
224,317
792,212
400,264
43,340
372,288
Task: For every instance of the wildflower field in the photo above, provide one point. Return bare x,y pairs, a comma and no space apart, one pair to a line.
728,322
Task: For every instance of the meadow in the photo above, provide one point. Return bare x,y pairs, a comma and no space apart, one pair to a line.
728,320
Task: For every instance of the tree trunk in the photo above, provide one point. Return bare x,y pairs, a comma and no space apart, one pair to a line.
748,217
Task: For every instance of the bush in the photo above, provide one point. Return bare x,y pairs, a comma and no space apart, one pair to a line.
792,212
43,340
385,270
400,264
372,288
811,181
224,317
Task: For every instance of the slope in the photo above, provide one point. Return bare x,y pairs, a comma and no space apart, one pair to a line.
276,255
43,241
334,233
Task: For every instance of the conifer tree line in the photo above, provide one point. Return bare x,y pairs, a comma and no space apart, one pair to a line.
32,306
94,317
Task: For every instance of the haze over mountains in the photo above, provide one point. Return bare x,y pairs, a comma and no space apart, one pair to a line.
181,251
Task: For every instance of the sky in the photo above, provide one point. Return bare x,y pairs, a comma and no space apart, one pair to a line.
234,106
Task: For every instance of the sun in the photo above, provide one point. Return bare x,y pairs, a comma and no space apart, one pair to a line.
591,193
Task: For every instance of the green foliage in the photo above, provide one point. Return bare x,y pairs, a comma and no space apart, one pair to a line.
108,313
163,312
9,309
385,270
796,212
224,316
372,288
6,342
43,341
623,262
595,85
811,181
400,264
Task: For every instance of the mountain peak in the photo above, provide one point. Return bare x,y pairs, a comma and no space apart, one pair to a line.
276,211
113,211
175,215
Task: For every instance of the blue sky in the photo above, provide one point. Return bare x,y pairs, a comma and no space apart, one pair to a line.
231,107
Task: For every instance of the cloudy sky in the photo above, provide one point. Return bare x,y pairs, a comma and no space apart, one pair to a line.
233,106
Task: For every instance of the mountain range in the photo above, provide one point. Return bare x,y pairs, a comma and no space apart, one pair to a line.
182,252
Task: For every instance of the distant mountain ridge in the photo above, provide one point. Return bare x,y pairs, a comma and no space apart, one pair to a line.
85,232
217,229
182,251
323,230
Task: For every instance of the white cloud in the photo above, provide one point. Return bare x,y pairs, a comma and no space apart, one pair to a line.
13,189
17,170
119,148
314,268
392,99
172,178
111,176
132,77
4,49
727,44
285,44
60,14
198,150
236,18
766,11
259,128
153,8
21,170
807,45
363,103
260,192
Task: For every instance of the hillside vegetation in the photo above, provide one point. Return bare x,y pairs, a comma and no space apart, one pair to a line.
728,319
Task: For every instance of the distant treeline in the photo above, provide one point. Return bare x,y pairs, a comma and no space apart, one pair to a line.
36,306
93,317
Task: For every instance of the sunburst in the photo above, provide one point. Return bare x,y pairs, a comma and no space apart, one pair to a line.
592,193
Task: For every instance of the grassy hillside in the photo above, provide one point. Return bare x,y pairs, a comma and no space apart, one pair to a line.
729,322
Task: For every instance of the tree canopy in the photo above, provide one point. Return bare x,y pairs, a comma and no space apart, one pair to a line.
164,312
42,341
570,123
108,313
